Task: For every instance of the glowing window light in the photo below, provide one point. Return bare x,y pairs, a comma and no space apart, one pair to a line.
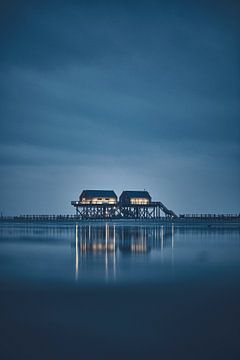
139,201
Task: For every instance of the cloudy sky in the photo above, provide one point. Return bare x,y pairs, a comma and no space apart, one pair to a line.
119,95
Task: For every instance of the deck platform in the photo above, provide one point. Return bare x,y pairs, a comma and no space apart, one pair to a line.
153,210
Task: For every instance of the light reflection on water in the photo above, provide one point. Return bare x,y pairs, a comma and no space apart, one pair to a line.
104,240
113,252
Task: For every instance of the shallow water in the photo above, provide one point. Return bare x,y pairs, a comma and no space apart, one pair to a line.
113,253
104,290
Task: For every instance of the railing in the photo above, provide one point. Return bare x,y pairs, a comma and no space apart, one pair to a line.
209,216
39,217
182,217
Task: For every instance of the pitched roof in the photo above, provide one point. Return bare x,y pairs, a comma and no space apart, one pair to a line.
136,194
99,193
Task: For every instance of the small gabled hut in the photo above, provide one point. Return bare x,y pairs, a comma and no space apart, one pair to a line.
98,197
135,198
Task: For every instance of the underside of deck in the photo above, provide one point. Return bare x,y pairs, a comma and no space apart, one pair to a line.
153,210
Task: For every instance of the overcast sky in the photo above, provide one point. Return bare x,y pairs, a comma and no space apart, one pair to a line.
119,95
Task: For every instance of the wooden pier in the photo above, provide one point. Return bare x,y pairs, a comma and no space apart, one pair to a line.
152,210
97,205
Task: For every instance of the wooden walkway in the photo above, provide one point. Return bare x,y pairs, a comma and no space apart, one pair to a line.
181,219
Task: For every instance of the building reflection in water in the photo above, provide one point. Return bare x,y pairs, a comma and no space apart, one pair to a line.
76,254
111,241
172,257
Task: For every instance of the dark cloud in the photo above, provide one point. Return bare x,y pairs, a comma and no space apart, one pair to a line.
125,85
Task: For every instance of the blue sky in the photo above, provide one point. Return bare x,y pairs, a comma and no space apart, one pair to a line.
119,95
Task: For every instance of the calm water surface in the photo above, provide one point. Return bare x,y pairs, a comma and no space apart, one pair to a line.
113,290
113,253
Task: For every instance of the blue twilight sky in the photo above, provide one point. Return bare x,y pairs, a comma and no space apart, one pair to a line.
119,95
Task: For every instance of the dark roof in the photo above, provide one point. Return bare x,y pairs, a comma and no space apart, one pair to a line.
137,194
99,193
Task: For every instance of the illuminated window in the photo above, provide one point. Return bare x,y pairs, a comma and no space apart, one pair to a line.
98,201
139,201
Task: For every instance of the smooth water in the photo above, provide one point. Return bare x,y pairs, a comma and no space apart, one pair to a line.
113,253
114,290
